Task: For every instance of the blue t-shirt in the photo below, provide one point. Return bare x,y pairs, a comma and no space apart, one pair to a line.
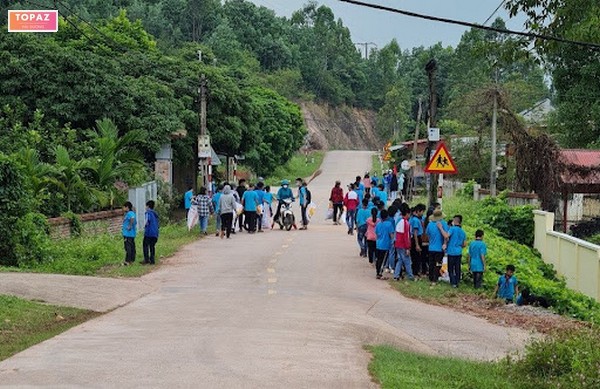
250,199
362,216
302,195
151,227
129,233
477,248
261,195
383,230
456,240
415,224
382,196
188,199
436,239
507,287
215,201
268,198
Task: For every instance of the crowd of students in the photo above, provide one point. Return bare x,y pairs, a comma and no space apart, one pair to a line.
411,242
248,207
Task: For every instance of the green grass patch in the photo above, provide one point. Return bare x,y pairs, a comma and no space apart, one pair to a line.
25,323
442,293
298,166
398,369
375,165
104,254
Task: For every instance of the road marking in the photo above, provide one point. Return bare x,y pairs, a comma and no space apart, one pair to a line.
285,246
271,291
272,280
270,270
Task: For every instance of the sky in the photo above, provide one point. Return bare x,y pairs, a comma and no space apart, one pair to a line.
380,27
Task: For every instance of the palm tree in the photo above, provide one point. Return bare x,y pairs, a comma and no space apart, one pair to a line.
116,157
41,174
69,180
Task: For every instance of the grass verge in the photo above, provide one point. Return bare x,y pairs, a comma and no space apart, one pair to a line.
25,323
376,165
103,254
298,166
398,369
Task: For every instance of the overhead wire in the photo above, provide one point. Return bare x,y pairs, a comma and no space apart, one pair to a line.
544,37
494,13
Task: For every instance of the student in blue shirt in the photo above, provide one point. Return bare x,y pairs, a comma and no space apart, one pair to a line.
507,287
250,201
187,198
437,231
362,216
390,263
260,192
128,231
215,200
382,194
457,240
384,232
419,262
477,253
150,234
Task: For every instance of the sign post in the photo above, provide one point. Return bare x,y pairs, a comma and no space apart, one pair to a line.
442,163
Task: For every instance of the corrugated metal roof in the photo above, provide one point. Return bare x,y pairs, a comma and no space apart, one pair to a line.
581,157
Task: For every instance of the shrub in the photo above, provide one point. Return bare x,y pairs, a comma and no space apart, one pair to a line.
469,189
15,202
31,241
514,223
564,360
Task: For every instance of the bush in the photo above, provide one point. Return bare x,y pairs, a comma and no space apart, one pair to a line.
469,189
564,360
15,202
514,223
167,202
32,242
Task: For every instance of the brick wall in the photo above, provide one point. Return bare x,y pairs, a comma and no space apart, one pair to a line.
91,224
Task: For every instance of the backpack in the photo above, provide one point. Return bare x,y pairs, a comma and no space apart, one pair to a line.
308,196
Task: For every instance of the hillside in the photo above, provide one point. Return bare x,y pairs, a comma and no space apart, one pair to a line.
340,128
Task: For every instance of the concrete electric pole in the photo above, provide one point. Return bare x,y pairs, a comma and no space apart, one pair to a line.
203,139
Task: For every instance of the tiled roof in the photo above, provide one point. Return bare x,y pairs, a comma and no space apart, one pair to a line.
574,180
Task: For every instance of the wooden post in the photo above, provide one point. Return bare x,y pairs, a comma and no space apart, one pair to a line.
565,208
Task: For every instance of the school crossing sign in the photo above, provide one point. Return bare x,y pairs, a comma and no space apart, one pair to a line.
441,162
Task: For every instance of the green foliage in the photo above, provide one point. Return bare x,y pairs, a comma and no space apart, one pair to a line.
514,223
298,166
564,360
25,323
393,368
539,277
469,190
167,202
31,240
75,227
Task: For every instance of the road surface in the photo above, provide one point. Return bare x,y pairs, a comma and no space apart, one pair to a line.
279,309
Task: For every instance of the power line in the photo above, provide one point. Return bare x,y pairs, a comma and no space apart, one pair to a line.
494,13
473,25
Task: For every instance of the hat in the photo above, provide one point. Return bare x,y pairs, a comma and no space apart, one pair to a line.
437,215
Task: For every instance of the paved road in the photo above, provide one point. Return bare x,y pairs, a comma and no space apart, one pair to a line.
279,309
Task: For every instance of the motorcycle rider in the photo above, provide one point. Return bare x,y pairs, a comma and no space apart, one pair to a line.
284,193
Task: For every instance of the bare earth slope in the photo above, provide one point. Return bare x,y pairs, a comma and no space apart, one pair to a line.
340,128
272,310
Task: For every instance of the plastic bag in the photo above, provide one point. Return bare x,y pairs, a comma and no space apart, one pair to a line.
239,208
329,214
259,209
311,210
192,217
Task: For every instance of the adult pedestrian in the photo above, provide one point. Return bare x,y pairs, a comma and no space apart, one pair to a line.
240,190
304,201
250,202
457,240
260,191
403,246
227,206
215,201
393,187
337,200
151,228
128,231
205,209
362,216
437,230
351,202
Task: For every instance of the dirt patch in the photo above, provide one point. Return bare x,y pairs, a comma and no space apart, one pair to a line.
526,317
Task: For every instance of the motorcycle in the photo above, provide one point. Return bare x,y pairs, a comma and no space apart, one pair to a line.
286,219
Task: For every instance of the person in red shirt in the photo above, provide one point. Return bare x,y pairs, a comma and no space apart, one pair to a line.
403,245
337,199
351,204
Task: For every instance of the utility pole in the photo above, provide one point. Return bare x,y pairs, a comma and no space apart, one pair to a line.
366,46
493,168
431,69
411,182
204,159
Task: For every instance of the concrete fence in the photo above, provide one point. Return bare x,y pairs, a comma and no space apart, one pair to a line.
575,259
